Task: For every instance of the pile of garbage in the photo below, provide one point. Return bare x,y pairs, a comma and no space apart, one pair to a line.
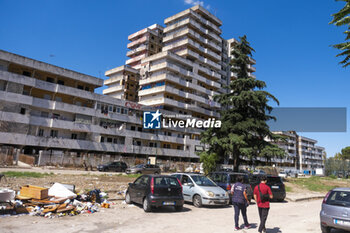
58,201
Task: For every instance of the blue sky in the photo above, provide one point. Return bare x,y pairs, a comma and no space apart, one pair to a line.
292,41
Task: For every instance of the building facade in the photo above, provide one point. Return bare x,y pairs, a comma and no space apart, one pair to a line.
176,69
302,153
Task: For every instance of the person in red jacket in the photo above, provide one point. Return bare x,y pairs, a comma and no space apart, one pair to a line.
262,195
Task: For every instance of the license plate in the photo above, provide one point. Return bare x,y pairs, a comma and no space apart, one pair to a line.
341,222
169,203
275,187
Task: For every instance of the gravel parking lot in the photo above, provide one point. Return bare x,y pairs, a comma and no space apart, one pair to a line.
287,217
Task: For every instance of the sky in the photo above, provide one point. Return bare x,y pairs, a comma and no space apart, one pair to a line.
292,40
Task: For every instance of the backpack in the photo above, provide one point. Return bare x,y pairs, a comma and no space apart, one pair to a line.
263,197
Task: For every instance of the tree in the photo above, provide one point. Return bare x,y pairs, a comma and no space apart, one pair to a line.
244,114
342,18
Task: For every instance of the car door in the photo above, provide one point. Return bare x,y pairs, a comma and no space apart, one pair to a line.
141,189
118,167
132,188
188,187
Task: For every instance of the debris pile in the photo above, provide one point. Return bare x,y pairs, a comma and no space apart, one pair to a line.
57,201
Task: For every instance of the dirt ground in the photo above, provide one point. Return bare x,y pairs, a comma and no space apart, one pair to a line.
287,217
112,184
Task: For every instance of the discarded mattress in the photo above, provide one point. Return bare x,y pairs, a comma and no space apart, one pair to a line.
59,190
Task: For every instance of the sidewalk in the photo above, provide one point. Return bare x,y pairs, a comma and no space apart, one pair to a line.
295,197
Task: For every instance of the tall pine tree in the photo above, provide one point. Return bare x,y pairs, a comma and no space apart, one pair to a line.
342,18
244,115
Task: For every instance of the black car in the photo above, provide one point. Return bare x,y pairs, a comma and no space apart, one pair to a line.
117,166
274,182
155,191
226,179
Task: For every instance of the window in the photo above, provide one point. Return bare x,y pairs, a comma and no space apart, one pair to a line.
44,114
54,133
115,141
151,144
58,99
87,89
139,129
47,97
102,139
132,128
60,82
55,116
23,111
41,133
74,136
49,79
80,87
109,140
26,73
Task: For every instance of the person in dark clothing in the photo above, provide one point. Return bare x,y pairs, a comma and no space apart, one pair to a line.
240,202
262,195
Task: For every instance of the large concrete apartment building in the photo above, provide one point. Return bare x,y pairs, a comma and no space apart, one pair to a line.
176,69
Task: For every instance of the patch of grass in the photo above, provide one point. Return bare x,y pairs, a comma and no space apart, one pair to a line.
130,175
288,189
27,174
314,183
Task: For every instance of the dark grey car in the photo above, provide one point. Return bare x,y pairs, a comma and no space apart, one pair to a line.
144,169
335,212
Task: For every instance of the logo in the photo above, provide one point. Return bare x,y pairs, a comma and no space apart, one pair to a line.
151,120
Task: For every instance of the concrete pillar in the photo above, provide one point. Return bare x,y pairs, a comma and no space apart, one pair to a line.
17,155
40,157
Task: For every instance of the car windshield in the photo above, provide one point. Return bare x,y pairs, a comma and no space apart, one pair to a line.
339,198
139,166
203,181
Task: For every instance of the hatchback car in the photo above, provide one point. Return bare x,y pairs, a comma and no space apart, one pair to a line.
335,212
200,190
155,191
144,169
117,166
226,179
274,182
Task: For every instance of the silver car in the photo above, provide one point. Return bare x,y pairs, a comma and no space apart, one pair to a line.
335,211
200,190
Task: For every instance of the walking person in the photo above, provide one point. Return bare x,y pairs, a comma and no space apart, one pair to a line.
262,196
240,202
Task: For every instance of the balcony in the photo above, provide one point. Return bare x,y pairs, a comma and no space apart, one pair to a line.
85,145
113,89
143,39
135,59
136,50
64,107
204,60
177,80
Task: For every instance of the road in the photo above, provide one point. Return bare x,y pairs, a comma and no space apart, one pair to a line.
287,217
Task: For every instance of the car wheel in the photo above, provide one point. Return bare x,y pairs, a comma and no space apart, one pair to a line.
139,173
197,201
146,205
127,198
179,208
325,229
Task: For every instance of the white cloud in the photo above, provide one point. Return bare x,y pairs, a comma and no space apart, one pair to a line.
196,2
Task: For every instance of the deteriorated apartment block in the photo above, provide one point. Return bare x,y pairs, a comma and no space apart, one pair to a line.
48,107
122,83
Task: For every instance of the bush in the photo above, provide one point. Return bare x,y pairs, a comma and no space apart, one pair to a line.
209,161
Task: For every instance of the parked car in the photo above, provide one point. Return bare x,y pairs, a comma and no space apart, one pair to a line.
283,174
155,191
274,182
200,190
144,169
335,212
117,166
226,179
